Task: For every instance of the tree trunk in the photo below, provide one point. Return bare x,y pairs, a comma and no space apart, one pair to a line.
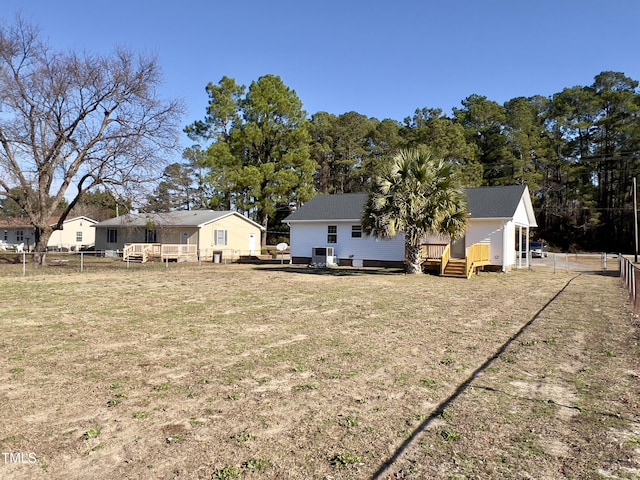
40,247
414,258
263,236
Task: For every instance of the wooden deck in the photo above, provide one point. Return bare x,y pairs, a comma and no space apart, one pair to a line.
438,257
144,252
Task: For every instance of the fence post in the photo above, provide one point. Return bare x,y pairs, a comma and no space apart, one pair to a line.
81,262
24,263
633,287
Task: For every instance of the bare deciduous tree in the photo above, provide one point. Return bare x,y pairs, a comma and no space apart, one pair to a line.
72,122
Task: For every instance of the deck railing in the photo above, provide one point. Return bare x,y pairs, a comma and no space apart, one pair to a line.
446,255
165,251
433,250
477,255
140,250
171,250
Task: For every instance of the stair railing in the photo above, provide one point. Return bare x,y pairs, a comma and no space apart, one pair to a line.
446,255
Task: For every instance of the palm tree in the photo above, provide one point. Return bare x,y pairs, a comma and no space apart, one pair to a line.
417,195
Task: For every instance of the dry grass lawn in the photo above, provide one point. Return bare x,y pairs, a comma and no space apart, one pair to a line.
269,372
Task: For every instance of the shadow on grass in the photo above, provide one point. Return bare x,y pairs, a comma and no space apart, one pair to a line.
331,271
461,389
11,258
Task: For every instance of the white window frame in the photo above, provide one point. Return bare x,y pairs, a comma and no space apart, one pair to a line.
356,231
332,234
79,236
220,237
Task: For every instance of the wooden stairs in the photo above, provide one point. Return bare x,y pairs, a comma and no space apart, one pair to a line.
438,256
455,267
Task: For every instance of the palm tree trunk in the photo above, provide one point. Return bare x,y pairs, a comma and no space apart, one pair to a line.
414,258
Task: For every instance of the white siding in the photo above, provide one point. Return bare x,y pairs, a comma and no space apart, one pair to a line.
307,235
521,217
510,246
487,231
67,237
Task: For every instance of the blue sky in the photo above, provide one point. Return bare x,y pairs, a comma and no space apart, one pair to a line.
382,59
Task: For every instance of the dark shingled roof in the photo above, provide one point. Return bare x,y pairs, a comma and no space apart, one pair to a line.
482,202
347,206
494,202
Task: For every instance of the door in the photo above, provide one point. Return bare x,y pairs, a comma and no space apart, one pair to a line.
252,244
458,249
184,238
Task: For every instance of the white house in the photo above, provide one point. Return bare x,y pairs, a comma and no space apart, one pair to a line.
76,232
500,217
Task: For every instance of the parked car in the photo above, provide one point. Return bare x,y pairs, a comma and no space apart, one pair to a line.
538,249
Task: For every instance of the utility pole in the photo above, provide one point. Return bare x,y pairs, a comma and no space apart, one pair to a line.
635,220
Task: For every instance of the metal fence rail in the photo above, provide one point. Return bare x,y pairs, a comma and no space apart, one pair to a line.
16,263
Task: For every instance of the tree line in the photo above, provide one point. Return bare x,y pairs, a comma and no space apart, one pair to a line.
259,152
86,133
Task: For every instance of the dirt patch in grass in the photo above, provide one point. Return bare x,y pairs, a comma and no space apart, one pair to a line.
231,371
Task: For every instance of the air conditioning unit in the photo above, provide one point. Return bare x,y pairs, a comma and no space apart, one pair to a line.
324,256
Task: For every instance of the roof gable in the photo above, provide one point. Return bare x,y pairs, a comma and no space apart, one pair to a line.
494,202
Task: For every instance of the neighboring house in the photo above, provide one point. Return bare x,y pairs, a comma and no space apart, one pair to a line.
499,217
227,234
16,231
76,232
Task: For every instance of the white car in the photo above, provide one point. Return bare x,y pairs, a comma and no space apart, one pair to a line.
538,249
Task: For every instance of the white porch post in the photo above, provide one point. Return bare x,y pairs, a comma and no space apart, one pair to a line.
519,246
505,246
527,246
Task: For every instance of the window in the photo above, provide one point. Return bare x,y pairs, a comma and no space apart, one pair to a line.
150,236
19,235
332,234
219,237
112,235
356,231
79,237
6,236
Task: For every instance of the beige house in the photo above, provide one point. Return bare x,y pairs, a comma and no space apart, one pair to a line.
192,234
77,232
